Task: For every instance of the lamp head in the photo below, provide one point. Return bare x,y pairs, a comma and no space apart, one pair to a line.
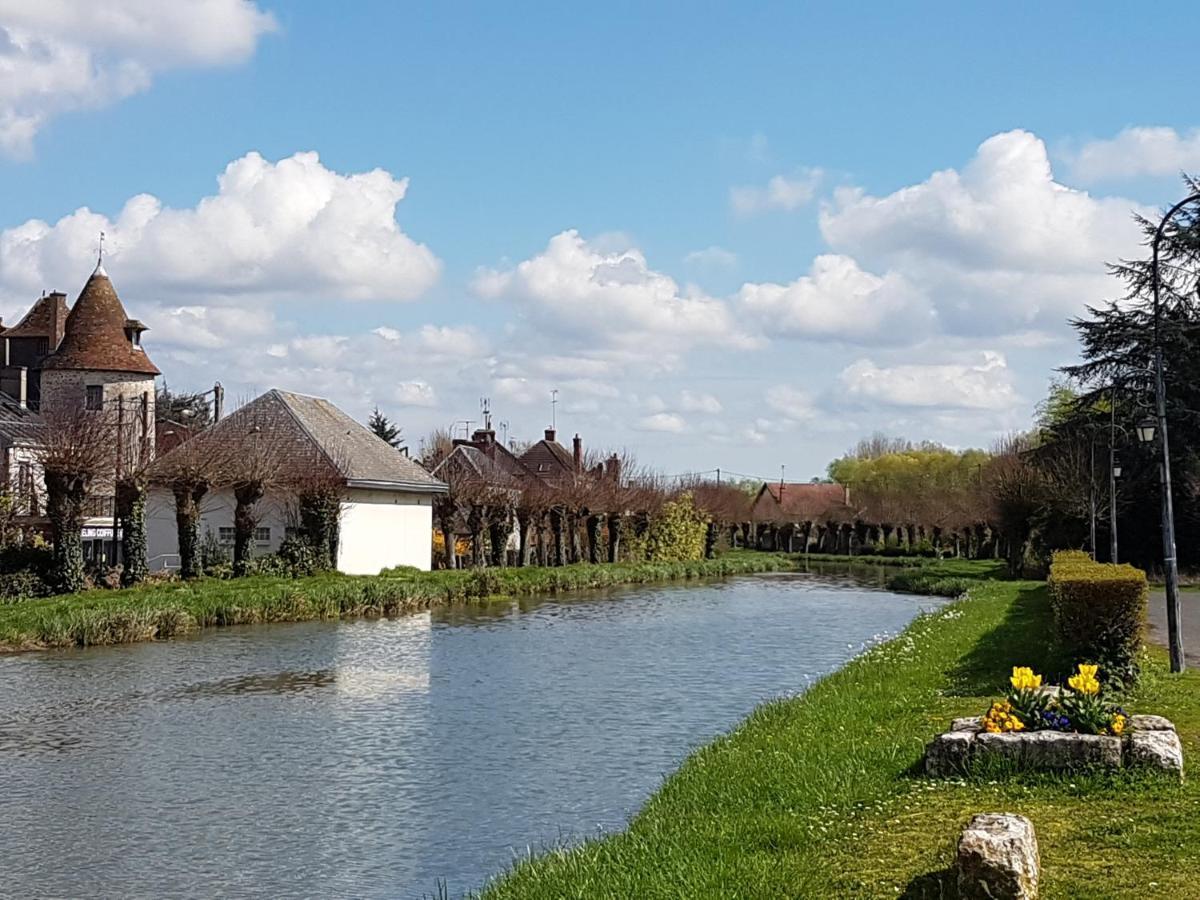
1146,430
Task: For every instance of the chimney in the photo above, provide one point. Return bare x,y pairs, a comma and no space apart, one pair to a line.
578,445
218,402
550,433
612,468
57,325
484,436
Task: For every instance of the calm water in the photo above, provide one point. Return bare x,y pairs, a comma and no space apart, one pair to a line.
371,759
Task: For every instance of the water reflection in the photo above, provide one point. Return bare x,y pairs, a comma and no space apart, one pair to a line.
372,758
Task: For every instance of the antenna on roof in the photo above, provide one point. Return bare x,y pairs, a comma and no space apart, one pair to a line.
554,409
504,428
782,469
485,406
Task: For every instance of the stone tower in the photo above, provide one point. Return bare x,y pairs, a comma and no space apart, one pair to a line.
100,366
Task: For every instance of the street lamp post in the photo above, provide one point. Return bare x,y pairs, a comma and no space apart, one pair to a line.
1170,564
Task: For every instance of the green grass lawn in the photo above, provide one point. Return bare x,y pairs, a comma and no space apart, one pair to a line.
816,796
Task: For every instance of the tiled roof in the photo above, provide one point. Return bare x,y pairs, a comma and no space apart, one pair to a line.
548,459
95,336
499,466
803,500
308,430
38,321
18,425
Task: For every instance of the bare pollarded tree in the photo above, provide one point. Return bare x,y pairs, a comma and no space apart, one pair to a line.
190,471
75,453
256,466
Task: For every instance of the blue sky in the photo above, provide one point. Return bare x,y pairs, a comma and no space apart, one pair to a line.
736,235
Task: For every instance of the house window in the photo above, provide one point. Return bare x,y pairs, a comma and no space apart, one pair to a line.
95,396
225,535
43,346
262,534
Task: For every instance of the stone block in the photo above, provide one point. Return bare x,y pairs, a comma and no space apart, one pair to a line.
1051,749
948,754
1156,749
970,723
1151,723
998,858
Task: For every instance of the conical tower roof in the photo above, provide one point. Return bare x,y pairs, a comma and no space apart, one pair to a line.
96,337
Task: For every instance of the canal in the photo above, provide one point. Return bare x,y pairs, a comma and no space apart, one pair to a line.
393,758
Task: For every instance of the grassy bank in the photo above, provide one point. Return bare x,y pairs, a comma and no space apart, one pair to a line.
166,610
815,796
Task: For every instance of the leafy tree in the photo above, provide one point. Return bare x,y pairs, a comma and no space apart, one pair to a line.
385,429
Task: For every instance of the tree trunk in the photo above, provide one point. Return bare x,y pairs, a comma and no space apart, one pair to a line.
523,520
614,536
593,538
575,548
710,540
65,495
559,536
131,512
543,557
448,538
498,537
245,496
188,494
747,542
475,527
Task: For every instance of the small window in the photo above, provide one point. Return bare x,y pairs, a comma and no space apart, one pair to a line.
225,535
43,346
95,396
262,534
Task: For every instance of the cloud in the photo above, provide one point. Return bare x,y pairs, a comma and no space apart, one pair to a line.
793,404
667,422
786,193
998,247
985,384
203,327
837,299
1136,151
696,401
605,297
712,258
288,230
57,56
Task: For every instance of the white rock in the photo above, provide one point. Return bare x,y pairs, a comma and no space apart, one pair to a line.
1051,749
998,858
1151,723
948,754
970,723
1156,750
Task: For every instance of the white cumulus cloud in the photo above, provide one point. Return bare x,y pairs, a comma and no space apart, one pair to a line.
1136,151
671,423
57,55
606,296
698,401
985,383
285,230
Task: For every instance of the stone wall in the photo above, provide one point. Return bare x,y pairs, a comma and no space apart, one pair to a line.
66,389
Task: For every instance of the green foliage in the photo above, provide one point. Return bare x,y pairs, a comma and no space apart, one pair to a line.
1099,612
295,558
131,509
677,533
385,429
22,585
212,554
320,510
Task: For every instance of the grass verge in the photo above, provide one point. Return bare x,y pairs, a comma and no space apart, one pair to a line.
167,610
815,796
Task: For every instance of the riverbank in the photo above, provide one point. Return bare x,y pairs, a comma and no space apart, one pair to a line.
815,797
171,609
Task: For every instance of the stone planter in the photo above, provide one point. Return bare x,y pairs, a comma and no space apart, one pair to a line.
1151,742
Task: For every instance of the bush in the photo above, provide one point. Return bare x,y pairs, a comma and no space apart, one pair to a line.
1099,612
295,558
677,532
23,585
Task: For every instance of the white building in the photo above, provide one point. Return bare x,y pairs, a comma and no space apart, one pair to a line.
387,499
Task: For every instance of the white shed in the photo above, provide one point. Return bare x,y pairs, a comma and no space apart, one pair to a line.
387,499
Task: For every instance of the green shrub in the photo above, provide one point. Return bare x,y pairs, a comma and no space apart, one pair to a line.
23,585
295,558
677,532
1099,612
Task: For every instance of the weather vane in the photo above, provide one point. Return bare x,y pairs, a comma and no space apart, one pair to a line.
100,252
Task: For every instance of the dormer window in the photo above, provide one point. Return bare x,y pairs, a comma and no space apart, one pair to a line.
133,331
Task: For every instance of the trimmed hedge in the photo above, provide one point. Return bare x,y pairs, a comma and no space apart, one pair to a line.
1099,611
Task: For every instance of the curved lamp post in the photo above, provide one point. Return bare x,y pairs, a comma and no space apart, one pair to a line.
1146,433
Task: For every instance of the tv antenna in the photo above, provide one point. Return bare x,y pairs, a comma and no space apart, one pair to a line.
554,409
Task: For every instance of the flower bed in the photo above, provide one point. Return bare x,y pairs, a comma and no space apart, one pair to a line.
1042,727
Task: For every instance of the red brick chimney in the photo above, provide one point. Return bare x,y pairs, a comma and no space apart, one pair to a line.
550,433
578,445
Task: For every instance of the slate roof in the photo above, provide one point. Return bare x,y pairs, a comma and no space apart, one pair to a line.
499,466
18,425
95,336
38,321
308,431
